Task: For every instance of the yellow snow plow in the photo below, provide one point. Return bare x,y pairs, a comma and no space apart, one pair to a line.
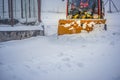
72,26
82,17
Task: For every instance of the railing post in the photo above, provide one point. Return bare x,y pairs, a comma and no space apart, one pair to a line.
9,9
39,11
11,6
67,4
29,8
3,8
99,8
21,8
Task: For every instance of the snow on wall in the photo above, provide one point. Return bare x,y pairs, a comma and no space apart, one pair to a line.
18,35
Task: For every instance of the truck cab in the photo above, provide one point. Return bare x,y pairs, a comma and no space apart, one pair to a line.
85,9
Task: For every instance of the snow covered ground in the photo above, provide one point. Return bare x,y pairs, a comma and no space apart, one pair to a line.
93,56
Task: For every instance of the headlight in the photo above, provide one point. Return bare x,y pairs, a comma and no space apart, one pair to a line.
95,16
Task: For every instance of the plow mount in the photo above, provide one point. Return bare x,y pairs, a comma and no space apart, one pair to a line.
74,26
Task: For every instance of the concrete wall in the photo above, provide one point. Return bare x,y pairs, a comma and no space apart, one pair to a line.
18,35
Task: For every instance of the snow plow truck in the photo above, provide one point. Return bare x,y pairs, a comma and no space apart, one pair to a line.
82,15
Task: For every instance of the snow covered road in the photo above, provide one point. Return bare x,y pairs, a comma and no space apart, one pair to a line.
93,56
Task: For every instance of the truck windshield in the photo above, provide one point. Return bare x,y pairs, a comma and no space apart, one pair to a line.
81,6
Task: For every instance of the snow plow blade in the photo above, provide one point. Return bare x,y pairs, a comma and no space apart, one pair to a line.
74,26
